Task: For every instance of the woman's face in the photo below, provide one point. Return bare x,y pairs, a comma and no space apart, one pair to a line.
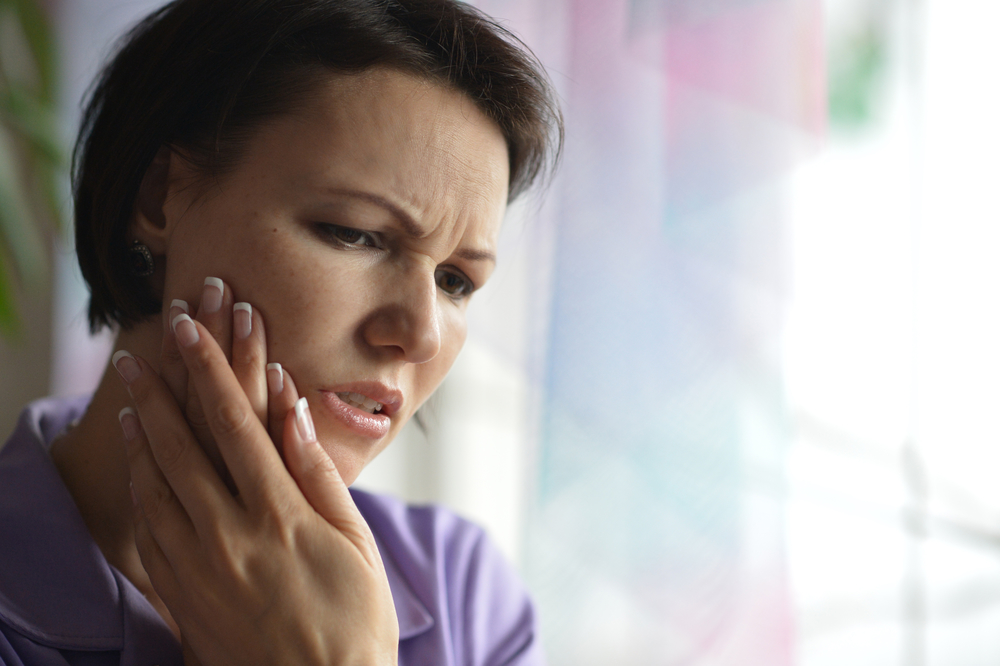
358,226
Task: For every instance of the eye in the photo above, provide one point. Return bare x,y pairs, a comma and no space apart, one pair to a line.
347,235
454,284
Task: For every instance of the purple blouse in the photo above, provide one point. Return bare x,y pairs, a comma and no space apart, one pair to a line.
457,600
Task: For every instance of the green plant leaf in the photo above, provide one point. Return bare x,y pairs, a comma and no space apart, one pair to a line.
10,322
35,24
53,195
34,120
32,159
856,69
21,234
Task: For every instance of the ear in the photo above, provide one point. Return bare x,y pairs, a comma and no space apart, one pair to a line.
151,225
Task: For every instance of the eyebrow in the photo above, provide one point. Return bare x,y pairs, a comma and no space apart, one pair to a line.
410,226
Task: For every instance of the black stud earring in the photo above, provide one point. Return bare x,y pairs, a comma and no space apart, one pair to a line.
140,260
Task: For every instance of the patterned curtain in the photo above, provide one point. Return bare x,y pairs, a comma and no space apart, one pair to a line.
655,531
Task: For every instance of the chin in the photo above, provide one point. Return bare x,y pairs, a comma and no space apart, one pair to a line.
348,461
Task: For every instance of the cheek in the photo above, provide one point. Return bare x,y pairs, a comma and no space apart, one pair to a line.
313,302
453,332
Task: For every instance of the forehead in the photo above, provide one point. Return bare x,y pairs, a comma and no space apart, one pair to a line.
423,146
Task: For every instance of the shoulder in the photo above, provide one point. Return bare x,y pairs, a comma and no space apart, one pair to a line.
476,601
57,594
426,534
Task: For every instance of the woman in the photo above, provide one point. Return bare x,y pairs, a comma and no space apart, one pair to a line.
285,207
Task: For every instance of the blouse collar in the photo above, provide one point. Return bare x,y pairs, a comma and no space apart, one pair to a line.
56,588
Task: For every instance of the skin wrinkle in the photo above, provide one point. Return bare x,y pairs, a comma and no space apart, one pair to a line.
413,149
330,314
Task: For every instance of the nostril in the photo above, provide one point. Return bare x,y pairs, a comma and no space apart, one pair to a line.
407,324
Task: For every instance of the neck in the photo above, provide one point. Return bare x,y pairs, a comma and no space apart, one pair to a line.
91,460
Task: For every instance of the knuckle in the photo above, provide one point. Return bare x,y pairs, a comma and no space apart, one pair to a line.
320,467
279,521
250,355
171,452
231,419
195,414
156,504
171,355
228,558
221,551
201,359
141,390
217,537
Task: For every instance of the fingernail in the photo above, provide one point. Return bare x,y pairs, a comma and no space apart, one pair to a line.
131,492
130,423
304,421
178,303
211,298
126,366
242,320
275,378
184,330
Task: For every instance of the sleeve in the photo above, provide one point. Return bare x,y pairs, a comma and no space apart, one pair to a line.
16,650
501,627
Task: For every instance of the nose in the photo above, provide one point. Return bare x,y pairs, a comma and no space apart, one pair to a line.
407,322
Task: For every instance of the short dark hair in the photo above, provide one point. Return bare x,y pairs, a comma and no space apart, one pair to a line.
202,74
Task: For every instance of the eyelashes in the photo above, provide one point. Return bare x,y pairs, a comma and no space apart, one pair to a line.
450,280
347,236
454,283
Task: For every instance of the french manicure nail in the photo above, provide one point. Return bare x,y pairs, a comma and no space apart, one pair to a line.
130,423
242,320
211,298
303,419
126,365
178,303
275,378
184,330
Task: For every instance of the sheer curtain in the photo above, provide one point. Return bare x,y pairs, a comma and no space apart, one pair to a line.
617,419
656,528
892,361
730,396
651,286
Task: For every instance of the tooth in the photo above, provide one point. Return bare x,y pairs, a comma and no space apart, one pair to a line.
370,404
358,398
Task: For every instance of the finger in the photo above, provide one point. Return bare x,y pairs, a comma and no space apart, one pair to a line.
250,357
172,368
163,513
194,415
317,477
170,464
215,312
282,395
154,561
245,446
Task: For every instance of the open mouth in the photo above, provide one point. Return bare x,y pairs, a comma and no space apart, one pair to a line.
361,402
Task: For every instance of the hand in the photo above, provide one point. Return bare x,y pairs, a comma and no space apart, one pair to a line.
239,331
288,572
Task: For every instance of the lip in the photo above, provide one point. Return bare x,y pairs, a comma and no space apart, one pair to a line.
373,426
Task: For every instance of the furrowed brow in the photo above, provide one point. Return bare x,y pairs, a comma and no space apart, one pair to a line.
410,226
476,255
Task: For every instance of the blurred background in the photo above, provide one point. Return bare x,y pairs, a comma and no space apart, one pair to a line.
731,397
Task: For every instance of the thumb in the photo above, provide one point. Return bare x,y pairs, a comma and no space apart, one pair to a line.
320,482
